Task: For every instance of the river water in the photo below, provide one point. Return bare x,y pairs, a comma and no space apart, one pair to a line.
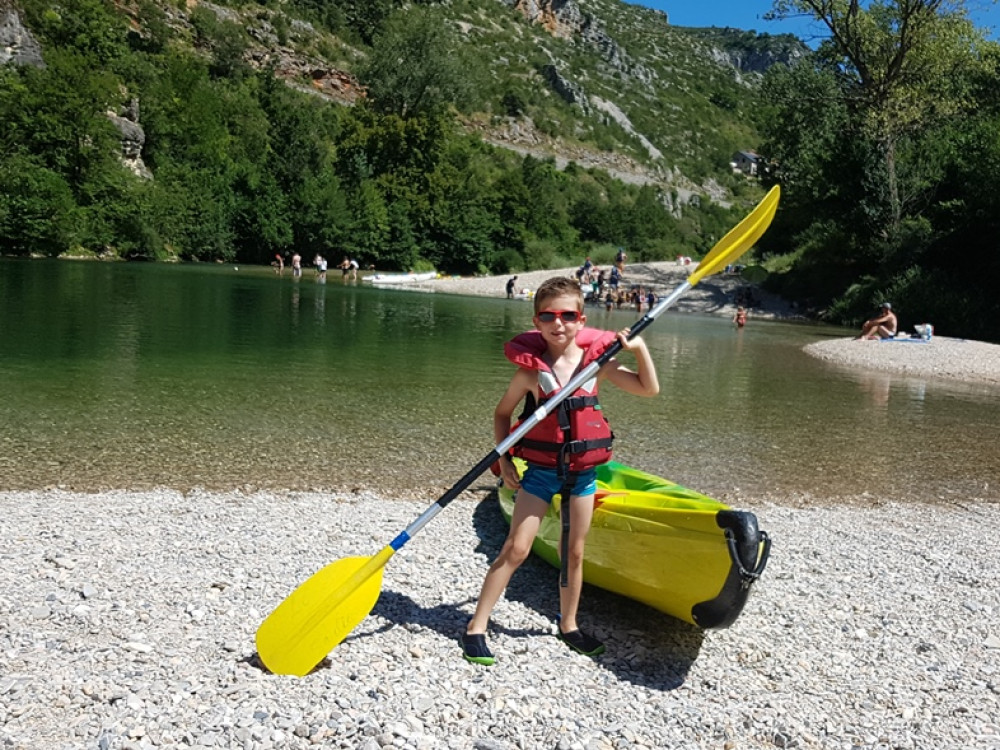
139,375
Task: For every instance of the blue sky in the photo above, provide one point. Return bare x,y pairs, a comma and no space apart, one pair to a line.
746,14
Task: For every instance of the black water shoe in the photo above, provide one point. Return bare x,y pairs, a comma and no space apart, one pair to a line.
581,642
474,649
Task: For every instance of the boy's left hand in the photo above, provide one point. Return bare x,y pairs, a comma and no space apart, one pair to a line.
629,345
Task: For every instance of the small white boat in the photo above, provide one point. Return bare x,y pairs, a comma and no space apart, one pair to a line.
400,278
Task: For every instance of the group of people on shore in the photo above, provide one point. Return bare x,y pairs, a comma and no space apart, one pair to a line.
348,266
634,297
593,281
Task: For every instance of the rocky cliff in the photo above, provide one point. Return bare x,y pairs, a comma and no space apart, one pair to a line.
17,45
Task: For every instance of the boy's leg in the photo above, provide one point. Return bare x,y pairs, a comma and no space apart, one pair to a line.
581,514
582,510
527,517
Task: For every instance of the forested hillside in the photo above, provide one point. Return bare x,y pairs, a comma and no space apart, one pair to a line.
359,129
497,135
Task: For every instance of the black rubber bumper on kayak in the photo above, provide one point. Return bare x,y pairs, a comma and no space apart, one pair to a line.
749,548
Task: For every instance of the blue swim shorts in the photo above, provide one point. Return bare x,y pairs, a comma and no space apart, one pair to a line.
544,482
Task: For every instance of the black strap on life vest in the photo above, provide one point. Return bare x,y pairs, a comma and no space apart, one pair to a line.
573,446
568,477
569,481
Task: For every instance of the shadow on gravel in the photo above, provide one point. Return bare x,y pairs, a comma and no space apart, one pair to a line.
645,647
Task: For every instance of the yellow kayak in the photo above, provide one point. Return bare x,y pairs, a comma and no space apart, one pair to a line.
654,541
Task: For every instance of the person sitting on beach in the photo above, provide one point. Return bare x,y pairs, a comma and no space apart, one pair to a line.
883,326
547,358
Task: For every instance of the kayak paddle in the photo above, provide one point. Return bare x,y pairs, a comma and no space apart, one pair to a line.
326,607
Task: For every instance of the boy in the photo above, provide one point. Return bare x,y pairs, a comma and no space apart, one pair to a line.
548,357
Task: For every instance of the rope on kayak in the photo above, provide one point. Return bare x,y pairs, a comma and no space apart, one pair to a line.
747,577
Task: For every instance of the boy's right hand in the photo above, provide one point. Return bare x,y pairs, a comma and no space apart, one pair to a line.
508,472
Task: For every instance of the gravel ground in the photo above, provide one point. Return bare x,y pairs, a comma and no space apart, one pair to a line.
128,622
127,619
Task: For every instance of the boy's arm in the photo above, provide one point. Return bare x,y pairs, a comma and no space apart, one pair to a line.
522,382
518,388
642,382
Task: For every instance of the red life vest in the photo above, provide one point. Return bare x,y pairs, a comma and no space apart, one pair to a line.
576,436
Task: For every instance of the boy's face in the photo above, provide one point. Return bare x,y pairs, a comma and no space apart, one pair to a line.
553,318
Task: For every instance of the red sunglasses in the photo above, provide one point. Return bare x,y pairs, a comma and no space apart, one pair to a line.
566,316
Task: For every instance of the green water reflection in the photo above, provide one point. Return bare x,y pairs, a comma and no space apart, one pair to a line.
127,375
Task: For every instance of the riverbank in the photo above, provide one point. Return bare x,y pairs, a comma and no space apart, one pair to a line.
713,295
941,357
129,621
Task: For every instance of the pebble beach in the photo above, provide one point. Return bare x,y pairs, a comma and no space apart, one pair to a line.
129,621
127,618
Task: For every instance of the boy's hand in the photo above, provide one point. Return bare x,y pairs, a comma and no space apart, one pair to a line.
627,345
509,474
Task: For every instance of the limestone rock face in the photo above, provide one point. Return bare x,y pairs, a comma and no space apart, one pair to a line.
564,19
759,62
17,45
571,92
133,138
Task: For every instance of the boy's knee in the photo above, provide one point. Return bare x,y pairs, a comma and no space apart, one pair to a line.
575,555
516,553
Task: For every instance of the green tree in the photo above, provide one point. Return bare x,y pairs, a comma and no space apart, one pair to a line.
90,28
321,218
401,250
370,229
896,60
262,225
416,65
37,211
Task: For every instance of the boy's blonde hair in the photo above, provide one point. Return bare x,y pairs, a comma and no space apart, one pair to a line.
559,286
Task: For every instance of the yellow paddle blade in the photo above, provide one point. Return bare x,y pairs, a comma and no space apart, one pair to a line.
740,238
320,613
